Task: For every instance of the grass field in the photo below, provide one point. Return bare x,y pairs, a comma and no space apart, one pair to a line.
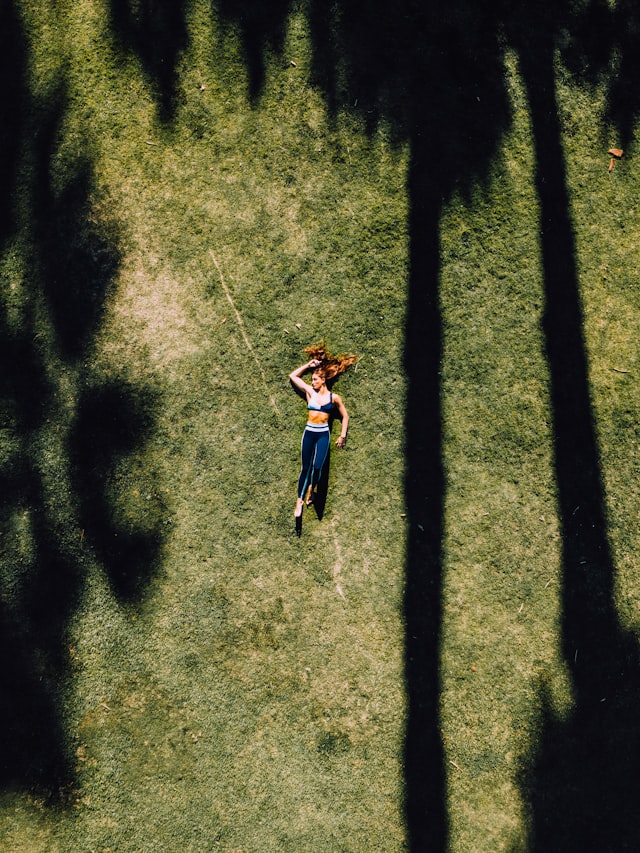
448,659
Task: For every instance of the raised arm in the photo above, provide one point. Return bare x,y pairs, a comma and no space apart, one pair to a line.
297,382
344,417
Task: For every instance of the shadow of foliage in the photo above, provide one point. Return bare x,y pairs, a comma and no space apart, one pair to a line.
156,32
12,71
56,416
38,585
261,27
588,41
624,85
601,45
75,257
120,511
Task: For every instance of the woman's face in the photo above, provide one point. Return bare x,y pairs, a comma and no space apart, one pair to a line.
317,379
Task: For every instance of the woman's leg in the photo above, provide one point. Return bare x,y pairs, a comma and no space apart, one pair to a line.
307,453
320,456
314,450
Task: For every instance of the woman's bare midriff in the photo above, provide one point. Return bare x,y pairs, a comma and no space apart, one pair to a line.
318,418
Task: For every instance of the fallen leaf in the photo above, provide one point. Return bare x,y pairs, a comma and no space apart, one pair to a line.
612,164
616,152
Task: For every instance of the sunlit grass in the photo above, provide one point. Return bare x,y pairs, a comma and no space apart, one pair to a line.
248,695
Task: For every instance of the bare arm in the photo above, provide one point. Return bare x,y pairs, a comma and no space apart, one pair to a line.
297,382
344,417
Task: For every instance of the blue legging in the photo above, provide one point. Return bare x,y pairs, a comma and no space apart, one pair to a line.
315,447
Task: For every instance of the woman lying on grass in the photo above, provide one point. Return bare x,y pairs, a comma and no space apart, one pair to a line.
321,403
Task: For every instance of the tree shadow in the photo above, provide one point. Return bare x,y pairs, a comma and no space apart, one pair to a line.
262,28
12,70
39,585
156,32
601,45
75,258
580,779
623,103
32,741
581,783
435,78
434,75
120,509
54,477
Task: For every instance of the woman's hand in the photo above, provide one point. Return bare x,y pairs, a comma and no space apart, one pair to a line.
315,362
344,417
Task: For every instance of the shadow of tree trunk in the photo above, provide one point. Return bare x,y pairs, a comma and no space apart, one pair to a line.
580,784
425,781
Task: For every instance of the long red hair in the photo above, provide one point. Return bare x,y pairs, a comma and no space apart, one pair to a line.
331,365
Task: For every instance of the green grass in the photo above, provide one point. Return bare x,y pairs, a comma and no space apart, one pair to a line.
248,695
